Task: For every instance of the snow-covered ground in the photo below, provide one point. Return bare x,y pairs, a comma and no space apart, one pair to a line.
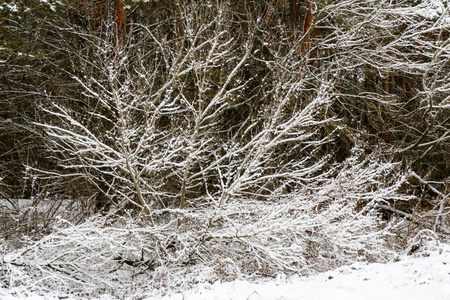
423,277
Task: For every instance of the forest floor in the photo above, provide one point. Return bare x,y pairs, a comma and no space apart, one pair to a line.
421,276
424,276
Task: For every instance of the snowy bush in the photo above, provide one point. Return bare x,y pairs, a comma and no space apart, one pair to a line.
321,226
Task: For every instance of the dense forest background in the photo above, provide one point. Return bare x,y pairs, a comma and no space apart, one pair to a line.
165,143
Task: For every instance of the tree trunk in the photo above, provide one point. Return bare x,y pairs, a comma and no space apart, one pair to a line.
119,18
293,6
306,27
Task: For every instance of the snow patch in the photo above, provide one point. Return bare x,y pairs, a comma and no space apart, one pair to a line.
432,9
52,7
420,277
12,7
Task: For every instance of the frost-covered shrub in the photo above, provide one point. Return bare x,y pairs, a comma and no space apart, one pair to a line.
318,227
423,243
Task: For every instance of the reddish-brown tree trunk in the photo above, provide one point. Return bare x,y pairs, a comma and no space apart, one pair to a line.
293,6
306,27
119,16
